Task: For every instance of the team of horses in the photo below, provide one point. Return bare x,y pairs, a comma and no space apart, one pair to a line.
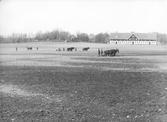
111,52
29,48
85,49
70,48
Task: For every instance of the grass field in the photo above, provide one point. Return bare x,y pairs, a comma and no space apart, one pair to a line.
46,85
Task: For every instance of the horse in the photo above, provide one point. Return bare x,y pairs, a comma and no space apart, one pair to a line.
29,48
107,53
111,52
85,49
70,48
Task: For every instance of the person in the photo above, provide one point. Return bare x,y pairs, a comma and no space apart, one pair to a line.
98,52
102,52
37,48
16,48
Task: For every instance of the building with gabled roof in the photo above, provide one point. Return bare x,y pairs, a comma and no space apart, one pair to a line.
133,38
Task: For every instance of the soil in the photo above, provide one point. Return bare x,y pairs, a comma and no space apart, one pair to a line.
82,87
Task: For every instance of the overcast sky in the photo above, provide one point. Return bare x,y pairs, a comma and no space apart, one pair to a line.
89,16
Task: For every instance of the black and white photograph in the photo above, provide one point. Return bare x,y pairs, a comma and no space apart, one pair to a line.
83,60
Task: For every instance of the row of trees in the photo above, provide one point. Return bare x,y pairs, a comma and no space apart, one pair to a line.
15,38
56,36
162,38
59,35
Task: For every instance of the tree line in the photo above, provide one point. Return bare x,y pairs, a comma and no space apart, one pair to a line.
61,36
162,38
56,36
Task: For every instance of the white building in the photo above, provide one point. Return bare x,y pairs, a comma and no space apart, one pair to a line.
133,38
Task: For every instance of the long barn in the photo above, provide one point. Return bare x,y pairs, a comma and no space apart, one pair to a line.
133,38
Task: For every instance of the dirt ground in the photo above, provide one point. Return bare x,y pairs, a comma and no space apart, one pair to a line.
46,85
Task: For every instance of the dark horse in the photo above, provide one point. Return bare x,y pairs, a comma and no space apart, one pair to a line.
111,52
85,49
29,48
70,48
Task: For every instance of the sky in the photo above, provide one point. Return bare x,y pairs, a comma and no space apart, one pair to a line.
84,16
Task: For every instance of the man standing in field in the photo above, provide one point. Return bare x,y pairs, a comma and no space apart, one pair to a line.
98,52
101,52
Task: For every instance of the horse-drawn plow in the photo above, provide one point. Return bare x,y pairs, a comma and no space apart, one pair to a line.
111,52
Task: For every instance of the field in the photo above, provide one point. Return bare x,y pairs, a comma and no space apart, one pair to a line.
46,85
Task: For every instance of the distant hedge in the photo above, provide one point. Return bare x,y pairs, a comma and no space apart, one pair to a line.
59,36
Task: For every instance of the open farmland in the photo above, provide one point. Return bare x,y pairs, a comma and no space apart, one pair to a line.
60,86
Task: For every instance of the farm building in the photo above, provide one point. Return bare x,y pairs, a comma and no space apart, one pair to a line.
133,38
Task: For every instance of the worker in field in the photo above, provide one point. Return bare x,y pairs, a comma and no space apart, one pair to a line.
16,48
98,52
101,52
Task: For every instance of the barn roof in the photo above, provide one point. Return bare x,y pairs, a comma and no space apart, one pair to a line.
116,35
